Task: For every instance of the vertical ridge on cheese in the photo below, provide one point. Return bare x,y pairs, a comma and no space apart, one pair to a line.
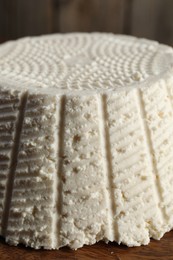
13,162
169,209
160,123
31,206
60,157
133,188
156,184
9,114
84,209
88,155
56,181
111,232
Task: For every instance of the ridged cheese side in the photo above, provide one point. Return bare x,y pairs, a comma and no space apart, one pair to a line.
9,112
87,167
31,211
84,211
135,198
159,116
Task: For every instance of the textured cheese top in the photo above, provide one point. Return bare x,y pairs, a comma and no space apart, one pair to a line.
83,61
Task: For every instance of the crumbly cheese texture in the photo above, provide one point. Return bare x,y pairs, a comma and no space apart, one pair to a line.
86,140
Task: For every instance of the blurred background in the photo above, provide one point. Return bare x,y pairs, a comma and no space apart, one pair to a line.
152,19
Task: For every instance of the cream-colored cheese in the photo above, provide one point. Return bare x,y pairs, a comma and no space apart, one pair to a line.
86,137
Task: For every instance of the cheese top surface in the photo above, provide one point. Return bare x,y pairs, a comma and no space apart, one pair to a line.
82,61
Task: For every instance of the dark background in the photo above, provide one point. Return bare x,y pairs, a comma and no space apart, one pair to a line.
152,19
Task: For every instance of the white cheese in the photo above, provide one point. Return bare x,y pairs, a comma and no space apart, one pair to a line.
86,137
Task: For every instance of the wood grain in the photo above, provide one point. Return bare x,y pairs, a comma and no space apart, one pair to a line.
165,22
7,21
33,17
91,15
113,15
80,15
143,18
160,250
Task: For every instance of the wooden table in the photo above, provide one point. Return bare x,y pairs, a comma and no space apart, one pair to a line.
160,250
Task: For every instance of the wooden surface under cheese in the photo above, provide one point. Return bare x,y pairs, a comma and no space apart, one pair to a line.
162,250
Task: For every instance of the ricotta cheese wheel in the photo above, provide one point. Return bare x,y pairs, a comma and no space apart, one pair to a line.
86,140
